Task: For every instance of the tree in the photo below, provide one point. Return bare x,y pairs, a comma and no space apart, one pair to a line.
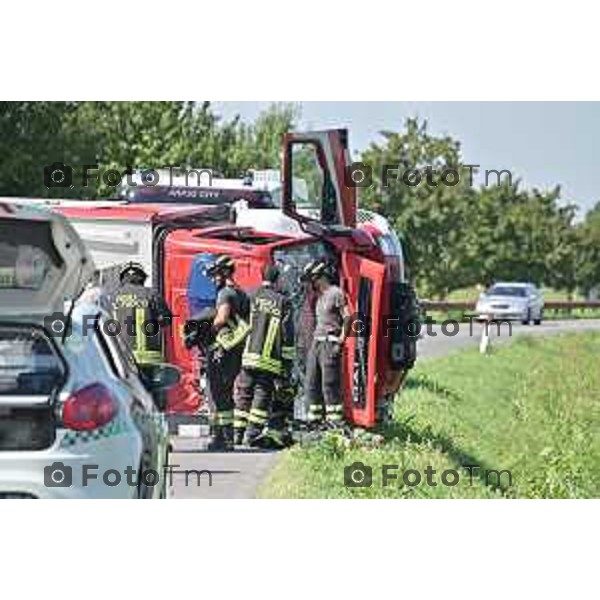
119,136
181,134
123,136
32,137
255,145
587,266
429,214
266,134
523,235
457,235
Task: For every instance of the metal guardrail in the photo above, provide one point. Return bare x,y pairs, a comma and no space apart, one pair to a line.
446,305
549,305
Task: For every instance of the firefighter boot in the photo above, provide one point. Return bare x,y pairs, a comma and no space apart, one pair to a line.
240,423
334,417
257,421
315,417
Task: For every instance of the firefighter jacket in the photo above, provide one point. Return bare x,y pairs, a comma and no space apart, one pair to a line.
271,341
236,330
143,315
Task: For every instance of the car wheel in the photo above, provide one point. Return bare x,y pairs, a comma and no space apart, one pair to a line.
527,318
538,321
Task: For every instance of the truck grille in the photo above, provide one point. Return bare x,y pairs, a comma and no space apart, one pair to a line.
26,428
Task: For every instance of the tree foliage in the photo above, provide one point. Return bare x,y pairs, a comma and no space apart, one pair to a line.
587,263
32,135
129,135
460,235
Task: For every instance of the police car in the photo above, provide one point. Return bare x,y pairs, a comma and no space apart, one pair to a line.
78,417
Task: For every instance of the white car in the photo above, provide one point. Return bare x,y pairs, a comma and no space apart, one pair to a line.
516,301
77,415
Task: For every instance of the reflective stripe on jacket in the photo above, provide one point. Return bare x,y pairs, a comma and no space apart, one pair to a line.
142,316
271,339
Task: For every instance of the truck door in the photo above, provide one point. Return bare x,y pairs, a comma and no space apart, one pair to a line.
363,281
316,171
315,166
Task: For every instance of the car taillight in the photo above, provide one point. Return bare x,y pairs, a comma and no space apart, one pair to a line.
89,408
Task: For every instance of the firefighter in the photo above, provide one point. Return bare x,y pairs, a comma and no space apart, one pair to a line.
224,358
324,359
263,393
142,313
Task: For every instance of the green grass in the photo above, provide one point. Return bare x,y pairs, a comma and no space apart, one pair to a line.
532,407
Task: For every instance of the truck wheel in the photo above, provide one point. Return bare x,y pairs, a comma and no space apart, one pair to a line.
526,320
538,321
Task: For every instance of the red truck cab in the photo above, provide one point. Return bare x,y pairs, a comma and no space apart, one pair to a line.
377,353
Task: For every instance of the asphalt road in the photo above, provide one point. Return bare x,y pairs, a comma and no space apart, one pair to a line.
215,475
205,475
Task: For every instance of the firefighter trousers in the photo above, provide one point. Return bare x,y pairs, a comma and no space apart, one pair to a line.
222,369
323,381
254,401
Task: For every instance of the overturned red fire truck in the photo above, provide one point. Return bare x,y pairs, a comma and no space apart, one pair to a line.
311,214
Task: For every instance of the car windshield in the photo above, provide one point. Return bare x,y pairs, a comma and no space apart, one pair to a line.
507,290
29,365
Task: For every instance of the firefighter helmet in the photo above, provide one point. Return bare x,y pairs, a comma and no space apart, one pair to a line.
133,271
223,265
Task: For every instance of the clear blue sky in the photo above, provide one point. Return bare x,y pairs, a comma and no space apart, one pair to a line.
543,143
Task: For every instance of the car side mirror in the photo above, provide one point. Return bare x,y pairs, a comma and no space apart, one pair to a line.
159,378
